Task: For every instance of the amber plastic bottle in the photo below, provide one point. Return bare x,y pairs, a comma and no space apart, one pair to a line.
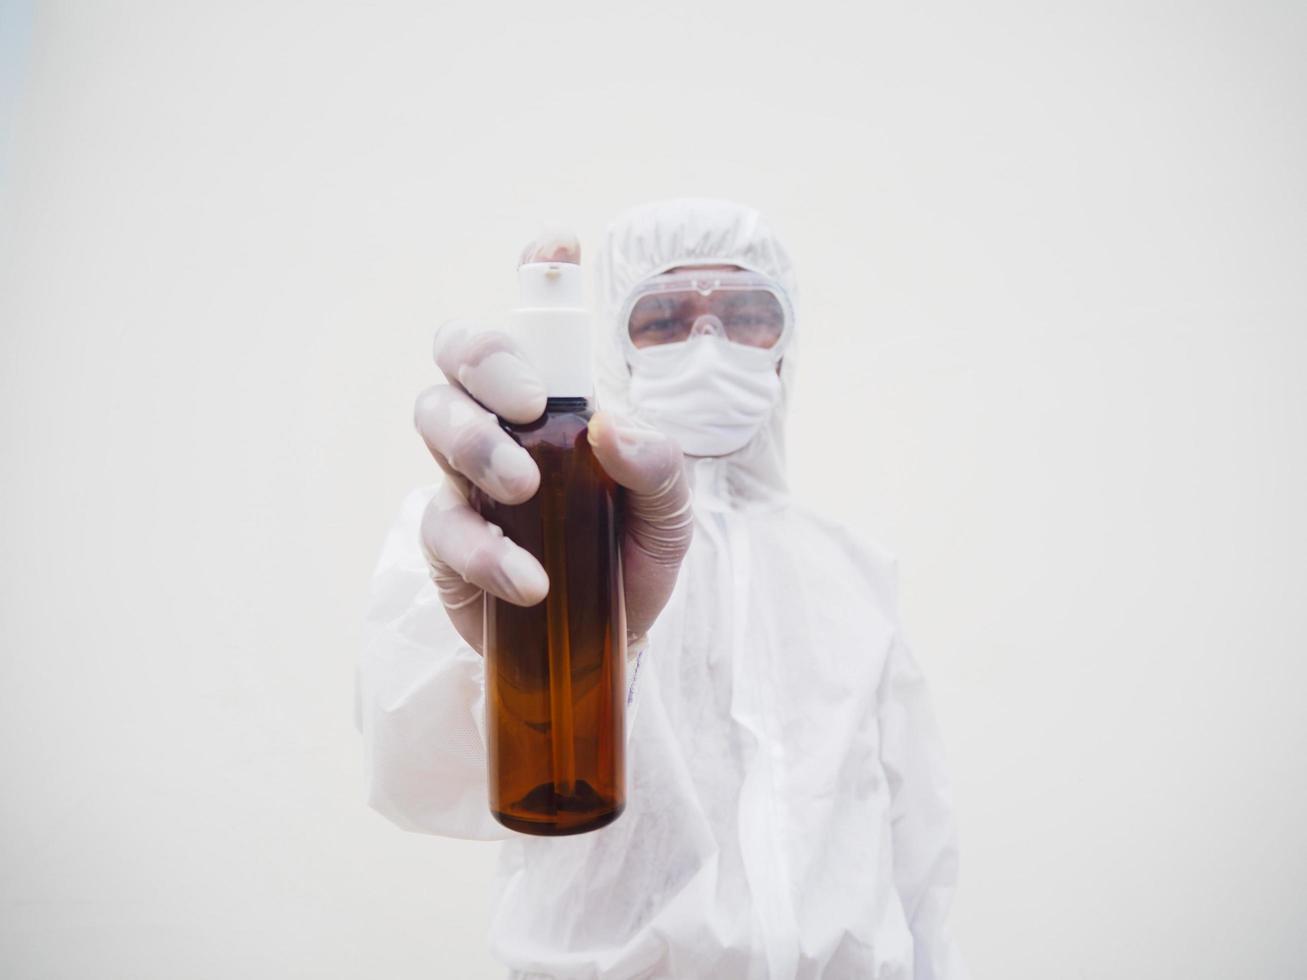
555,684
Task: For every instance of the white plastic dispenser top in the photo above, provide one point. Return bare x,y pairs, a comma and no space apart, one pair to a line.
552,328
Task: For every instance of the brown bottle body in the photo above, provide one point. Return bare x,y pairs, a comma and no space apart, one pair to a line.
555,683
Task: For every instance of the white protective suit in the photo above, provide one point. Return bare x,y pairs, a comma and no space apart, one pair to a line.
788,813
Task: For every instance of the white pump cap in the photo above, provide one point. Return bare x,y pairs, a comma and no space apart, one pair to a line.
552,328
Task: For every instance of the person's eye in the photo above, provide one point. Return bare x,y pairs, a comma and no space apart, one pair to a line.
657,328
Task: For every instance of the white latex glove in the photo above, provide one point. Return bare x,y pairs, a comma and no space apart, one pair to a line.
488,376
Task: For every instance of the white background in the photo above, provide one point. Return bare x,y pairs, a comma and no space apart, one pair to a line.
1052,263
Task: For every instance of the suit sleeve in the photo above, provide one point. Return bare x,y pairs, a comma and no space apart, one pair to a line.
924,837
420,698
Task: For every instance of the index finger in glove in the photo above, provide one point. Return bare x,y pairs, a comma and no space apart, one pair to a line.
488,365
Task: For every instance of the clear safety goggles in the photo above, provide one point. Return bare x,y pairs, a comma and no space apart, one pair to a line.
744,307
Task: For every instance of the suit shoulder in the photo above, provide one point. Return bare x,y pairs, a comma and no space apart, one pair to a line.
877,564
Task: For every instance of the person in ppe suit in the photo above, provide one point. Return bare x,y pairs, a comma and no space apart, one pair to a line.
788,811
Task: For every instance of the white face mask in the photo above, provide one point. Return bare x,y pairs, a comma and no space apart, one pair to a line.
708,393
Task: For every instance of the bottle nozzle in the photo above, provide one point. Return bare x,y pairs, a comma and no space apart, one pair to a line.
550,285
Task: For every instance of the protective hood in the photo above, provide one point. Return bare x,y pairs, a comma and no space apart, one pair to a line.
652,238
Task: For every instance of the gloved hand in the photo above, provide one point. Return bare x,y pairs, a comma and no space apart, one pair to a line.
488,376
